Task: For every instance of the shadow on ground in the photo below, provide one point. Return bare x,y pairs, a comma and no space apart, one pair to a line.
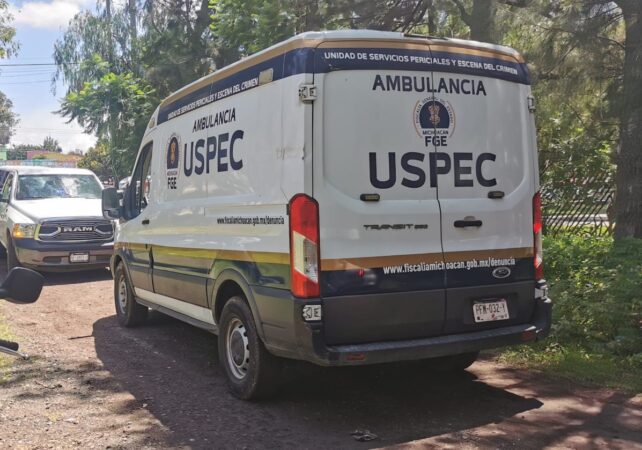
173,369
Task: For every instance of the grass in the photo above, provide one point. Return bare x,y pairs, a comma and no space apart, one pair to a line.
575,364
596,337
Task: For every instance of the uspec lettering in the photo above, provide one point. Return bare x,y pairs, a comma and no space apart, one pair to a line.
461,165
200,155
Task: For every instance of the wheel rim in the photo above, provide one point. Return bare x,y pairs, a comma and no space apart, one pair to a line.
122,294
237,349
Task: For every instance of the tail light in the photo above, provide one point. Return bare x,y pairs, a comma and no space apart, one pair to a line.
304,246
538,259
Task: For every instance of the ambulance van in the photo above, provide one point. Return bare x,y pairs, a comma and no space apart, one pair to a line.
343,198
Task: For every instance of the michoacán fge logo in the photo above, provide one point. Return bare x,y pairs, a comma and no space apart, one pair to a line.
173,148
434,121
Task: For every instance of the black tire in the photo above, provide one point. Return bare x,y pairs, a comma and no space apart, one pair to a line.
128,311
12,257
452,363
252,372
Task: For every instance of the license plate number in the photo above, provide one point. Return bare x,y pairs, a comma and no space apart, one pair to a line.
79,257
490,311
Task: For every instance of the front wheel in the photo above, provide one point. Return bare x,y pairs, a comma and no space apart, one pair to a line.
251,371
128,311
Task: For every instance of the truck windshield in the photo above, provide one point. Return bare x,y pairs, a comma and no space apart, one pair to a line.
31,187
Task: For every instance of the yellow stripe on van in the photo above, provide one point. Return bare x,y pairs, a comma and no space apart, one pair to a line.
210,255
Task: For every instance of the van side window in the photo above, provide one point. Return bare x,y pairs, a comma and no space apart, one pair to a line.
6,188
141,181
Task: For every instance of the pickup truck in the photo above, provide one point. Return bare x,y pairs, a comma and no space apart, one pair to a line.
51,219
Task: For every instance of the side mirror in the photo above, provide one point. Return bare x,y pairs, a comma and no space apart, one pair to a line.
111,204
22,285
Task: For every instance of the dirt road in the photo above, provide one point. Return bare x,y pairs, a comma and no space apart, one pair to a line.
92,384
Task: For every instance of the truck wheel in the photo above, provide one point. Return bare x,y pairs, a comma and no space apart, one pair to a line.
452,363
128,311
251,371
12,257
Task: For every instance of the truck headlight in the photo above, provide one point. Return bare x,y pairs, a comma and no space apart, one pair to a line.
24,230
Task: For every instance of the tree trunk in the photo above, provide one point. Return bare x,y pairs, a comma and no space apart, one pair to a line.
110,45
482,21
628,200
131,10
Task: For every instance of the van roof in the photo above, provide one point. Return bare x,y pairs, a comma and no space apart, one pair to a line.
312,39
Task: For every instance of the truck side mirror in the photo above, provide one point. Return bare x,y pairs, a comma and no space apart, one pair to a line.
111,204
22,285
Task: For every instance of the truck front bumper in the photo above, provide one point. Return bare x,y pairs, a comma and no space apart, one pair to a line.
49,256
309,342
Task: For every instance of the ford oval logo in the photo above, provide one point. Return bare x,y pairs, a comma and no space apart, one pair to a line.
501,272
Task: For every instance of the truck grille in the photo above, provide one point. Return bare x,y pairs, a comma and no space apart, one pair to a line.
76,230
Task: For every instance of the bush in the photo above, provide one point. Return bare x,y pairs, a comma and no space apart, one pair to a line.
596,287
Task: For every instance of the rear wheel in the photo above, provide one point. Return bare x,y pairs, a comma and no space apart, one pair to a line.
128,311
452,363
251,371
12,257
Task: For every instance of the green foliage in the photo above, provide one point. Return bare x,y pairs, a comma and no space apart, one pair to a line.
116,107
596,287
110,60
98,160
8,46
51,145
19,152
8,119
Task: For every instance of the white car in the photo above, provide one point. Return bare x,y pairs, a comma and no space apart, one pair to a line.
51,219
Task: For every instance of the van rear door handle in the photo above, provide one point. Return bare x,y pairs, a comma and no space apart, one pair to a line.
468,223
145,222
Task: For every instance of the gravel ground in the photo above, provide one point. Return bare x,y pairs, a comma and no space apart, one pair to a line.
92,384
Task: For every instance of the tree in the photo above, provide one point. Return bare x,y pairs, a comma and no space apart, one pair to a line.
8,46
51,145
629,156
98,160
8,119
116,108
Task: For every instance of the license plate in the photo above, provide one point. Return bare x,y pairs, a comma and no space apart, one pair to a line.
79,257
490,311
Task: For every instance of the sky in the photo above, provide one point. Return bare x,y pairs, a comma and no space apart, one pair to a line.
38,25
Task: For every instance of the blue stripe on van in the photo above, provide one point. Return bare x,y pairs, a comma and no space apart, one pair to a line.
350,282
309,60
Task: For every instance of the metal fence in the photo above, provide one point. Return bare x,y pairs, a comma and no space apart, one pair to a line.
580,207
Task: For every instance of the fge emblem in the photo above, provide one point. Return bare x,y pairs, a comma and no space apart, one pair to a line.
172,161
434,121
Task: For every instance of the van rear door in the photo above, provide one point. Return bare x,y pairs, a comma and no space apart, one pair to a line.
485,175
380,223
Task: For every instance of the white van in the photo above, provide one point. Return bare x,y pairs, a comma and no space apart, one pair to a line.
345,198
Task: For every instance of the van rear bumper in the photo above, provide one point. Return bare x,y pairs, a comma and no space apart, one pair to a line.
308,341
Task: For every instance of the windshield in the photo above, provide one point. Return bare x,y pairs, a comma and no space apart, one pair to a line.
32,187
